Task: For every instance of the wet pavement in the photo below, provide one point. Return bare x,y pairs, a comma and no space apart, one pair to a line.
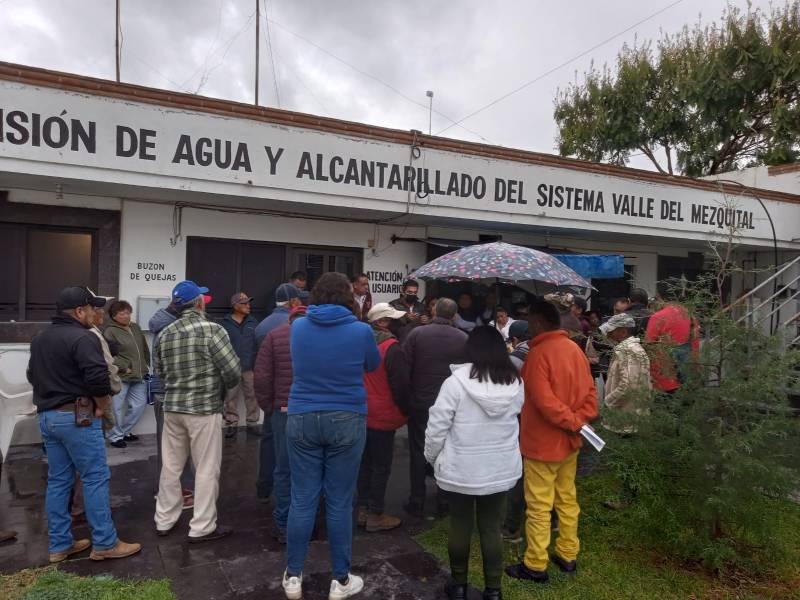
248,564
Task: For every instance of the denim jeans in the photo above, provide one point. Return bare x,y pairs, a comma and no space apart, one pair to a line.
324,454
282,474
266,461
72,449
132,396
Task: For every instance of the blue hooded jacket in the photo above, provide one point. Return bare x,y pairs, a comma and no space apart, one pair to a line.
331,350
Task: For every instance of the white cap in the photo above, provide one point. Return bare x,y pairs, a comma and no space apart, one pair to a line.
383,310
619,321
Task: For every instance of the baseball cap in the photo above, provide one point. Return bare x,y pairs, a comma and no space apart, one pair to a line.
187,291
519,330
285,292
75,296
241,298
617,322
383,310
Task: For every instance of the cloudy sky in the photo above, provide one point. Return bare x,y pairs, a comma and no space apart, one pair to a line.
362,60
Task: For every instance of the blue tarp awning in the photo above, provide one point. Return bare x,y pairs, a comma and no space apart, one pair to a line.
595,266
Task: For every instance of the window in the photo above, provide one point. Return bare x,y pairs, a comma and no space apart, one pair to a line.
36,263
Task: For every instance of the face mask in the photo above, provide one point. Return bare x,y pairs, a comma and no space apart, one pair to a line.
411,298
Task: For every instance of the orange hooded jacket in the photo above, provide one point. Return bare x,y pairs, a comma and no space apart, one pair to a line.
560,397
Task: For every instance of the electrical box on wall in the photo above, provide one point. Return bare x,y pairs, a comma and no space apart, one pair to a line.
147,306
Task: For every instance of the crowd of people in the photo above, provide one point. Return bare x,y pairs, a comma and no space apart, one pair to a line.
493,397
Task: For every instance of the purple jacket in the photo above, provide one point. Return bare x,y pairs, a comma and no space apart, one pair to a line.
272,373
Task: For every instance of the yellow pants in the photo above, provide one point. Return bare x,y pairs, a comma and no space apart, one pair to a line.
548,485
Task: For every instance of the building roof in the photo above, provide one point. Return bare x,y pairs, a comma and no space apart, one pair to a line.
102,87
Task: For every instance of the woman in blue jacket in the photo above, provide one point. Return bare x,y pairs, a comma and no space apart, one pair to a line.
326,428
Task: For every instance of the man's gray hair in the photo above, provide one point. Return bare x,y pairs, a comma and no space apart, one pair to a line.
446,308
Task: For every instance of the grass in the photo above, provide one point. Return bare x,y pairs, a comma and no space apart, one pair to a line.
51,584
614,564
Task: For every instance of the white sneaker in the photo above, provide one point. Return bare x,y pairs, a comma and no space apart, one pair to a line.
339,592
293,586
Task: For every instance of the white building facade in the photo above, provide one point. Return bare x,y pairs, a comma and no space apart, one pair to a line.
129,190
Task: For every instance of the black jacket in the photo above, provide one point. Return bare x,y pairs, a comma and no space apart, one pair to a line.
243,339
430,350
66,362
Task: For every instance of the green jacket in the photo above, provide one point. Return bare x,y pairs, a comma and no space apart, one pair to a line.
133,357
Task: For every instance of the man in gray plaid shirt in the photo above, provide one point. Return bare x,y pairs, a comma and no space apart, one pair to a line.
195,360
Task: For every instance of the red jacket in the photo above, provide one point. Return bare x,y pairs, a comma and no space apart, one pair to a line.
670,333
387,388
272,374
560,397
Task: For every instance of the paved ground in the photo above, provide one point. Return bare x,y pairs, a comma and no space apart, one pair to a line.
249,564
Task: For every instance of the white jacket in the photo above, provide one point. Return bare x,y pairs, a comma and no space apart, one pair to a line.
472,439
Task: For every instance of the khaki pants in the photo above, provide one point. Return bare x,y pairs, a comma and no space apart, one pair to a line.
548,485
198,436
245,391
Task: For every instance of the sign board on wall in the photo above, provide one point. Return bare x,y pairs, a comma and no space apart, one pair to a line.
119,138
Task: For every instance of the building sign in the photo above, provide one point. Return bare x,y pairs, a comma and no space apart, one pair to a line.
163,147
151,271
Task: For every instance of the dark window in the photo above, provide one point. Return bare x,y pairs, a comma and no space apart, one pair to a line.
316,261
257,268
36,263
230,266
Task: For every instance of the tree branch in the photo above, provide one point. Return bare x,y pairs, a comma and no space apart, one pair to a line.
649,154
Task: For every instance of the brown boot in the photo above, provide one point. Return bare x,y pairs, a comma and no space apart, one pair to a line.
120,550
78,546
382,523
362,516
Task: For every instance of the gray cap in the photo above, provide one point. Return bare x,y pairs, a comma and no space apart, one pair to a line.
285,292
620,321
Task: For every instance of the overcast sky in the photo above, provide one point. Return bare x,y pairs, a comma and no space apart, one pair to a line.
469,52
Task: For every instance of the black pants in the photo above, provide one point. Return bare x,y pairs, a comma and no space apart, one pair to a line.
417,424
376,466
515,512
488,511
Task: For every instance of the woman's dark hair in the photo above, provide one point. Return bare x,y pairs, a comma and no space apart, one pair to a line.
332,288
117,306
488,354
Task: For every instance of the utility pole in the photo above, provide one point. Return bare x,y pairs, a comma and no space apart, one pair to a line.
258,30
429,94
117,42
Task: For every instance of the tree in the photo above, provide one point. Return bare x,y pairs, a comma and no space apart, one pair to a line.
714,463
705,101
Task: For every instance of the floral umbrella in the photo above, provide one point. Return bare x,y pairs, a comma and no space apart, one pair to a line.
499,262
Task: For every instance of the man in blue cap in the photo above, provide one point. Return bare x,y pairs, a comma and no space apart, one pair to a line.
287,296
197,363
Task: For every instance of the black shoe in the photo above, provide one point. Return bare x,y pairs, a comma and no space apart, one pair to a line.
414,509
512,537
131,438
570,567
230,431
492,594
119,443
520,571
218,533
456,591
164,532
554,521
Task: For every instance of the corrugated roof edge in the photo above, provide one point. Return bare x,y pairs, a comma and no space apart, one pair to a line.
127,91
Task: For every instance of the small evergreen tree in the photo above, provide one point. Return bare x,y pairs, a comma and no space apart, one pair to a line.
714,462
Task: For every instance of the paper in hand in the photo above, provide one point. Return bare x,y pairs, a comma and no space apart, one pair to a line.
590,436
